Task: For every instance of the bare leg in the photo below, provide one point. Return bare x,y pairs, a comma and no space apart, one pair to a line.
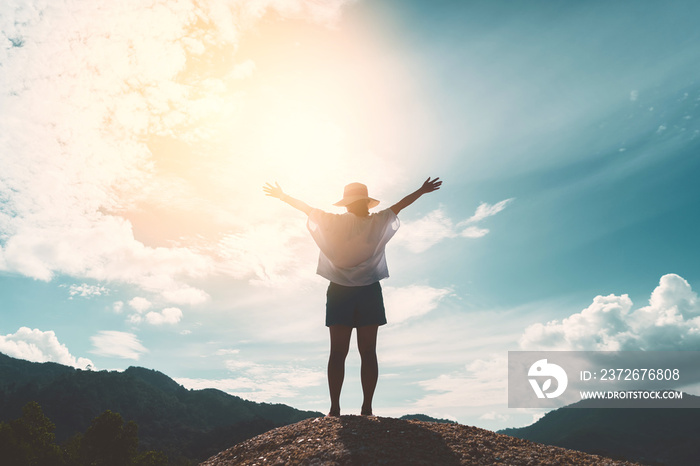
369,370
340,343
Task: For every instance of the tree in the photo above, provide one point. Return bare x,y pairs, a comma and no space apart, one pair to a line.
109,442
10,448
30,440
151,458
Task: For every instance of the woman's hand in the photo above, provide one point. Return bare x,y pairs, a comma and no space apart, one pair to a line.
273,191
276,191
430,185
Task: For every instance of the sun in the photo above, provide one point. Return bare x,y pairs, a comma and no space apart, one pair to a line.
306,108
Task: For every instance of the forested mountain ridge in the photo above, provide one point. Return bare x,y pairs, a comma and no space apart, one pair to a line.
667,436
184,423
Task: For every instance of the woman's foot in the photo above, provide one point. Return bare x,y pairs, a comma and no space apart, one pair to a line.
366,410
333,412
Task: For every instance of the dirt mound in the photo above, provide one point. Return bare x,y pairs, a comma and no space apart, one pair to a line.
360,440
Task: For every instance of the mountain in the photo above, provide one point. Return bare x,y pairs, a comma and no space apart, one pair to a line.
367,441
649,435
186,424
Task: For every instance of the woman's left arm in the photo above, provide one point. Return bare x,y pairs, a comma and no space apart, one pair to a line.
428,187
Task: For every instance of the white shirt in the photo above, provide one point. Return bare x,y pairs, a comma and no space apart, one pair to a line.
352,247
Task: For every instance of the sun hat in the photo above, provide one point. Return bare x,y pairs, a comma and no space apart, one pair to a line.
355,192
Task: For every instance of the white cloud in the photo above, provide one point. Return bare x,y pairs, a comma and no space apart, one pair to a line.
86,291
486,210
474,232
599,326
39,346
671,321
483,382
411,301
420,235
225,352
118,307
88,87
140,304
494,416
261,382
185,295
116,344
170,315
268,253
449,336
243,70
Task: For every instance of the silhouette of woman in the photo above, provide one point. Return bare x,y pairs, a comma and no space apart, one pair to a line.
352,258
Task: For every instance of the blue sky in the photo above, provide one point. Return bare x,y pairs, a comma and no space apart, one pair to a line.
135,141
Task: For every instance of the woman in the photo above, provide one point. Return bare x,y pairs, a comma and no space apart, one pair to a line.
352,258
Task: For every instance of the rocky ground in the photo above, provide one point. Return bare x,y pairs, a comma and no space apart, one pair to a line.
360,440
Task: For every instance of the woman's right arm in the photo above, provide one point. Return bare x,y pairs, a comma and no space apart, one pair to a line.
276,191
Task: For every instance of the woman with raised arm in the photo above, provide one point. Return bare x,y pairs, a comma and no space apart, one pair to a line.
352,258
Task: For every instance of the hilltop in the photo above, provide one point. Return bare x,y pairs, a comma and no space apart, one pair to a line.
360,440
